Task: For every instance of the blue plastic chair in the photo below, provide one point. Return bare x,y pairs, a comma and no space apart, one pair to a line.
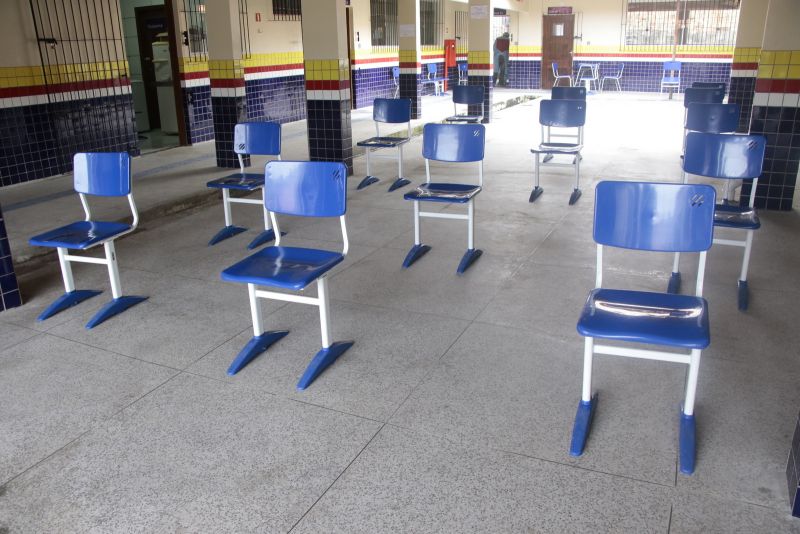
452,143
712,118
255,139
396,80
463,74
301,189
432,78
388,111
710,85
558,77
726,157
671,79
468,95
559,114
615,77
568,93
106,174
654,217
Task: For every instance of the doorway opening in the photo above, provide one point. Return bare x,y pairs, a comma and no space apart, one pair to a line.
558,41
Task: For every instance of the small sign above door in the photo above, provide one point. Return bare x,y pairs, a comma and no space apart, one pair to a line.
559,10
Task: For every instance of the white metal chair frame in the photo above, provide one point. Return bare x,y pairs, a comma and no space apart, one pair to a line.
615,78
547,136
383,156
557,76
227,199
594,75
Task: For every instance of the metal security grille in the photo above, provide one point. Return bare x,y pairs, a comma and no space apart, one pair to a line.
668,24
244,29
431,24
194,36
84,73
383,23
286,10
462,31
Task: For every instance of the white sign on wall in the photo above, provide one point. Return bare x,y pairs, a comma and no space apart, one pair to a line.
479,12
407,30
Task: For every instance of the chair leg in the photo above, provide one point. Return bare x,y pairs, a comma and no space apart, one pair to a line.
537,191
120,303
743,297
587,405
71,296
260,341
688,442
330,351
674,285
472,254
229,230
576,193
418,250
368,179
400,182
268,234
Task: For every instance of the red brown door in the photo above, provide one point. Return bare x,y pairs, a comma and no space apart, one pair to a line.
557,43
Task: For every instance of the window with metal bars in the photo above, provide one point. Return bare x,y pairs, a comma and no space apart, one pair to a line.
431,22
244,29
286,10
462,31
194,36
670,23
383,23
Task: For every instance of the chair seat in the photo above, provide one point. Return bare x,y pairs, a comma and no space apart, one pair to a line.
644,317
80,235
464,118
283,267
557,148
670,79
433,192
736,217
383,142
247,181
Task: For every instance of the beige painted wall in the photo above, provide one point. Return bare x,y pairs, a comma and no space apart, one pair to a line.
269,35
752,17
783,21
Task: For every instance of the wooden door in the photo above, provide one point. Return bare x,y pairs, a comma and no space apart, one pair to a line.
558,40
150,21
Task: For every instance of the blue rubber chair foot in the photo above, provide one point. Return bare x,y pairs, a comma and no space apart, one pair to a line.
254,347
397,184
469,257
546,158
67,300
688,444
264,237
674,285
368,180
324,358
573,198
416,252
225,233
116,306
583,425
743,298
535,193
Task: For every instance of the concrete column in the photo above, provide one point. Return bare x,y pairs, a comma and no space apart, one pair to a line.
775,106
327,72
228,102
410,54
749,36
480,57
9,291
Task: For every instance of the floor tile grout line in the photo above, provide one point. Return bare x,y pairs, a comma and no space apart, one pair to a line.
356,457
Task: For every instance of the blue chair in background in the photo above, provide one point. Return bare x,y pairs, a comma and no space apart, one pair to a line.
695,95
302,189
388,111
569,114
452,143
652,217
568,93
712,118
558,77
671,78
432,78
396,80
106,174
255,139
468,95
726,157
615,77
463,76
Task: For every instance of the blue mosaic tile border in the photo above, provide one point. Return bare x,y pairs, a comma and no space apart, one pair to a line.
741,91
197,113
411,88
525,74
228,111
330,134
645,76
9,289
369,84
488,85
276,99
782,158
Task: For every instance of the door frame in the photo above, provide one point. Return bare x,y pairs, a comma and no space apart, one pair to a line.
547,79
151,96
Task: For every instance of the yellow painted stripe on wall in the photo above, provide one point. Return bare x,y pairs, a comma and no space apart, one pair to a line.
64,73
327,69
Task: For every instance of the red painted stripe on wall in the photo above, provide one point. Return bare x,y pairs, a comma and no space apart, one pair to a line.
766,85
33,90
220,83
373,60
409,65
194,75
273,68
744,66
327,85
479,66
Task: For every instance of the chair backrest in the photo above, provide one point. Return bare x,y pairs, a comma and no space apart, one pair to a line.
306,188
257,138
732,157
396,74
710,85
568,93
712,118
672,66
562,113
454,142
703,95
462,70
391,110
103,174
431,69
654,216
554,64
619,72
468,94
